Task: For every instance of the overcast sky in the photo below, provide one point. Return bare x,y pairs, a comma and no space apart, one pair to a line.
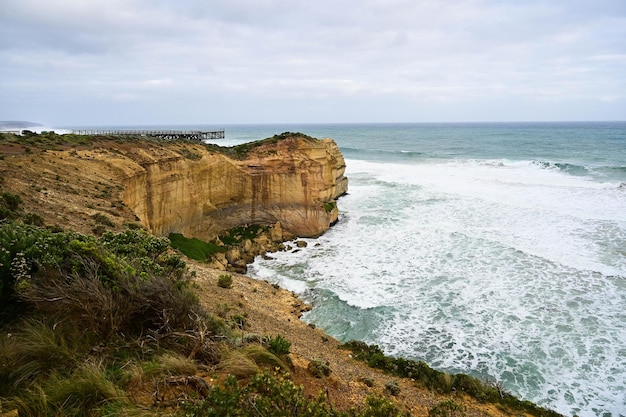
86,62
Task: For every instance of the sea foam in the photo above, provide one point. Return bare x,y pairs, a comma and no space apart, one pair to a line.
508,270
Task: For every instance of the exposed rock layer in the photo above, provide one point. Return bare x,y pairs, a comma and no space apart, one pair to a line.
293,181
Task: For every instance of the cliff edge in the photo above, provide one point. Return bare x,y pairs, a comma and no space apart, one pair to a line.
294,181
181,187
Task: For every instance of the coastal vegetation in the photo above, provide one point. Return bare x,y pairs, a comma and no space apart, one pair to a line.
87,321
52,140
243,150
439,381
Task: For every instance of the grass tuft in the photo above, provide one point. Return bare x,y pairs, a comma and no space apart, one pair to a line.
39,349
238,364
263,357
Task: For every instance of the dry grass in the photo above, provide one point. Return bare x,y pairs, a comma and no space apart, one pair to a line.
238,364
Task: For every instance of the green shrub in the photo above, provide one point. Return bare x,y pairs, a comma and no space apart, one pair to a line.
122,281
11,201
237,235
447,408
264,395
278,345
9,205
225,281
330,206
319,368
380,407
147,253
100,218
392,388
95,305
277,396
24,251
34,219
367,381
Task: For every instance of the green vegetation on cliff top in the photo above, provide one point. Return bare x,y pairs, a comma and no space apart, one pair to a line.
52,140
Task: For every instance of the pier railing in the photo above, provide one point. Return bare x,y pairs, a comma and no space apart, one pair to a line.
161,134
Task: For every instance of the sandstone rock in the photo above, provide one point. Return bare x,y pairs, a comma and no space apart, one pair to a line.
217,265
276,233
284,183
233,255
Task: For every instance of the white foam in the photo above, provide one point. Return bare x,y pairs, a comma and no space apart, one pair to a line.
501,269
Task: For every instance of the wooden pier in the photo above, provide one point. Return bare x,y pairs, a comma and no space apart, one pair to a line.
160,134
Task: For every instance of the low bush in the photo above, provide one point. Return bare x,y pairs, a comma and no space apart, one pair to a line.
10,205
237,235
102,219
11,201
447,408
392,388
319,368
89,306
25,250
330,206
269,395
440,381
278,345
34,219
225,281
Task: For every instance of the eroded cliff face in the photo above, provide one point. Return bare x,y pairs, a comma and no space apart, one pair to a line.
180,187
294,181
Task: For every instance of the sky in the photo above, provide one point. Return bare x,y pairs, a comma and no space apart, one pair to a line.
147,62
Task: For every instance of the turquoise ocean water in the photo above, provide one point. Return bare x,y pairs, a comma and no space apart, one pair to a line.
497,250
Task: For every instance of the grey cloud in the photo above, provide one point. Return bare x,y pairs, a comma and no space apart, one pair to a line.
154,53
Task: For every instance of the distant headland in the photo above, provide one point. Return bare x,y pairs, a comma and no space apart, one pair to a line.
11,125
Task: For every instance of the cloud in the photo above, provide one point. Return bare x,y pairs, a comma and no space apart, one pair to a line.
348,55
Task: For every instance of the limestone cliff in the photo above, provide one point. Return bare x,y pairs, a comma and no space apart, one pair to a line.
189,188
293,181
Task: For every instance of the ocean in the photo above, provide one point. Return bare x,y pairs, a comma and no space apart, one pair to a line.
492,249
496,250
